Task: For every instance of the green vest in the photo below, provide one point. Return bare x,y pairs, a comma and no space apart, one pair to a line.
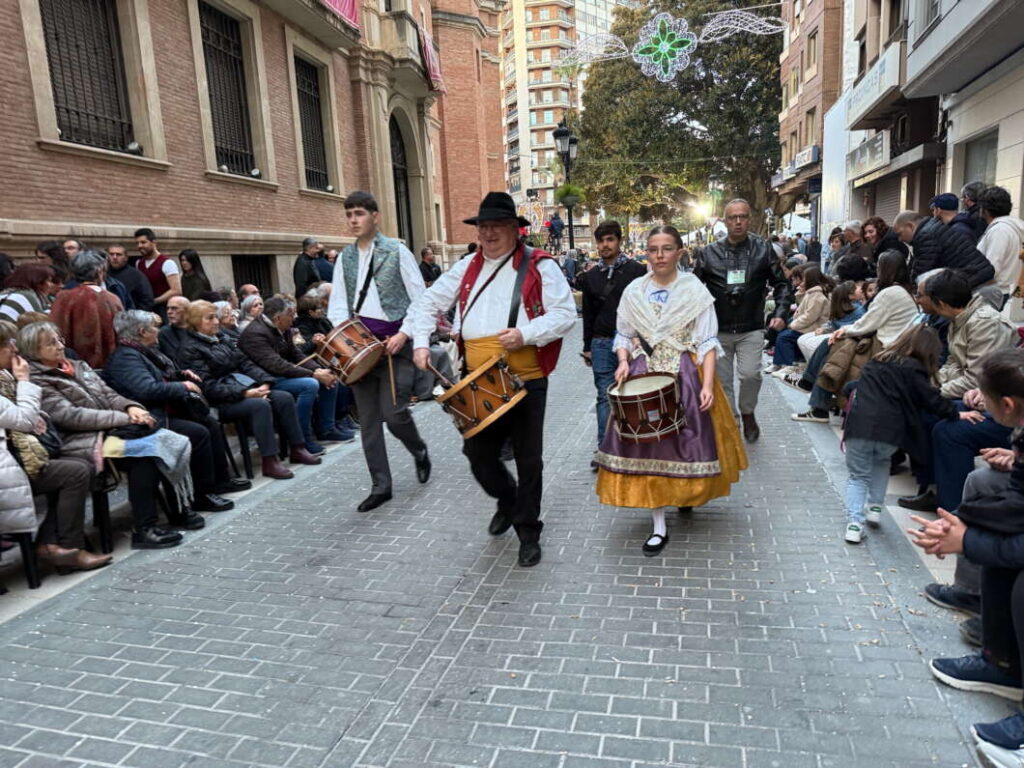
387,274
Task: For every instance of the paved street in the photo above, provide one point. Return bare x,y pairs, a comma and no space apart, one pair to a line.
298,633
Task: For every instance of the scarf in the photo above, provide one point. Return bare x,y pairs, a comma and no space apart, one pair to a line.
610,268
687,299
171,451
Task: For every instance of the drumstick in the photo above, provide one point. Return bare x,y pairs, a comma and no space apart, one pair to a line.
441,376
391,375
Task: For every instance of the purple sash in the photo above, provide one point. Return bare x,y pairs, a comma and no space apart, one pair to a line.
381,328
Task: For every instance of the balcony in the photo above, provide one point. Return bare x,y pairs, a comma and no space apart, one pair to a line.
560,3
547,41
879,91
512,114
560,101
961,46
399,37
510,97
562,19
549,83
538,63
512,134
510,78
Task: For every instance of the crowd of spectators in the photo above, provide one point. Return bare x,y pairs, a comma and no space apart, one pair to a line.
115,369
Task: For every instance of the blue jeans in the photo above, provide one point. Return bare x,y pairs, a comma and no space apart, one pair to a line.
867,463
786,350
604,362
308,392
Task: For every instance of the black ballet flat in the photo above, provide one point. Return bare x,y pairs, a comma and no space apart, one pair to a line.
650,550
685,510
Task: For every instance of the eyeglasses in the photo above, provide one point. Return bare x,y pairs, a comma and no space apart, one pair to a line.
738,217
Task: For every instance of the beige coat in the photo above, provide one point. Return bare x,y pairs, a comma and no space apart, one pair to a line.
812,312
975,332
17,510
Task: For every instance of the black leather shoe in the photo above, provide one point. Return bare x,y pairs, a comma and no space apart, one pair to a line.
924,502
529,554
654,544
500,523
751,431
685,510
187,520
211,502
373,501
423,466
155,538
234,485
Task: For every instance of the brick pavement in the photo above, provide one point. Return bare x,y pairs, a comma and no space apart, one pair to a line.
301,634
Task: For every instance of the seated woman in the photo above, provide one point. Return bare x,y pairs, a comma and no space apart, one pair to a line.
311,322
138,370
27,289
891,310
240,390
83,407
252,307
228,320
812,292
85,314
60,538
846,306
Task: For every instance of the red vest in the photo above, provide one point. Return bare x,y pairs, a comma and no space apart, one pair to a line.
155,274
533,297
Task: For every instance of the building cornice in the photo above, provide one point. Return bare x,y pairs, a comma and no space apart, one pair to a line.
459,20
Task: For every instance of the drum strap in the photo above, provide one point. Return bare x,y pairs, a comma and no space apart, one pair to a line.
647,348
366,286
517,291
483,287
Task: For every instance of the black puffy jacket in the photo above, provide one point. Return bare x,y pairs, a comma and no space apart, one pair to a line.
969,223
740,308
936,246
214,362
890,242
139,377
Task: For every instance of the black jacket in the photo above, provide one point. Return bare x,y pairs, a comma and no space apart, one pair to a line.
139,289
937,246
309,326
304,274
740,308
889,399
970,224
170,338
273,351
144,378
599,313
214,362
890,242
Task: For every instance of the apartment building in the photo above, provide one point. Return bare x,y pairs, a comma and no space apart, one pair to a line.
811,73
236,126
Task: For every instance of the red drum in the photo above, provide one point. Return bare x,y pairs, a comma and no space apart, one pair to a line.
483,397
646,408
350,350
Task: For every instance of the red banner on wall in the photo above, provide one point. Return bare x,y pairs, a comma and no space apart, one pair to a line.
348,10
431,63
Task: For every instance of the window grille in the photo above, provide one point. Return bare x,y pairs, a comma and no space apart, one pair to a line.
90,95
400,176
307,84
229,103
254,269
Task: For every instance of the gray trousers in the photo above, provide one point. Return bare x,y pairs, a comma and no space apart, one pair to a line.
742,356
372,394
981,482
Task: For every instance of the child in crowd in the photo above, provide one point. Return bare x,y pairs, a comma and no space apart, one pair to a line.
884,416
846,306
869,288
989,531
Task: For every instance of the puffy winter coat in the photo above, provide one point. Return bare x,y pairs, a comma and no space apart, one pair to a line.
17,510
936,246
969,223
81,406
214,362
845,361
975,332
812,312
136,376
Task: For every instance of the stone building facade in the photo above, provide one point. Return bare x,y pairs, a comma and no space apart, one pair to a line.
237,126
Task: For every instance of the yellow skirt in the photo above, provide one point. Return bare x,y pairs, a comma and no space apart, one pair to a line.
651,491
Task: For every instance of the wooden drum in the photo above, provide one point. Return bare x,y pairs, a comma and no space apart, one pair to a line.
350,350
483,397
646,408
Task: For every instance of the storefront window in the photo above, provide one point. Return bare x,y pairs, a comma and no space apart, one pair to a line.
980,159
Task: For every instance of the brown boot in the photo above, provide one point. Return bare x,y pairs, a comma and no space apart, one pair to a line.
750,429
272,467
56,554
299,455
85,561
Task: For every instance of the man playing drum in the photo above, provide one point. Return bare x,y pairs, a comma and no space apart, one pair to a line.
524,309
376,279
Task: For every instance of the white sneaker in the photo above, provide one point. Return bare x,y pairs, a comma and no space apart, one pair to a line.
874,515
1000,756
854,533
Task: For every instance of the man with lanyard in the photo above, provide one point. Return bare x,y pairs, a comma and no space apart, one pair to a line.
602,288
376,278
738,269
512,300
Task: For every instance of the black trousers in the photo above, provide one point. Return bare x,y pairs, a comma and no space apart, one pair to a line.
524,424
144,480
209,464
1002,617
261,414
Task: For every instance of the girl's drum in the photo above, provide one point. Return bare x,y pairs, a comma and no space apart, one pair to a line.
350,350
483,397
646,408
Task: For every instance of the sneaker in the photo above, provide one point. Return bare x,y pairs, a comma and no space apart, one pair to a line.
348,423
873,515
315,448
772,369
975,673
854,533
813,415
794,380
945,596
970,632
337,436
1000,757
1007,734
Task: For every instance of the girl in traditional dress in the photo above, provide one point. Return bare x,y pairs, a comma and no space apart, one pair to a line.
667,324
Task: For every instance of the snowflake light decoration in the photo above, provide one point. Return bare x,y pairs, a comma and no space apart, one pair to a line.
664,47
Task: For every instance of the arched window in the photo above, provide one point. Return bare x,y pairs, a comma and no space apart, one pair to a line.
400,176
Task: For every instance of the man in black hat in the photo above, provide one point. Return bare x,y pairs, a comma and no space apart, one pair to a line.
305,273
512,301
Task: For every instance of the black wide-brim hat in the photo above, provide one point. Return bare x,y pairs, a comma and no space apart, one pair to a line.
497,206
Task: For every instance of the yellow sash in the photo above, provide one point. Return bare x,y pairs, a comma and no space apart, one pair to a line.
523,362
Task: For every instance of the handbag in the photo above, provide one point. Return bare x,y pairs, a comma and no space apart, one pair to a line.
131,431
51,438
193,408
29,452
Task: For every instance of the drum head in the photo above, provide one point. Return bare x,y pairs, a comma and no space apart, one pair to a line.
642,385
361,364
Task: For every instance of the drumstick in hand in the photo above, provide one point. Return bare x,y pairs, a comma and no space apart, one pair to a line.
391,376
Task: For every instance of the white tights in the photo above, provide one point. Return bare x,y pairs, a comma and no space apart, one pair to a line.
659,522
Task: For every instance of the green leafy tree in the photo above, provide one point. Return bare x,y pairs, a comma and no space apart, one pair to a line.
648,148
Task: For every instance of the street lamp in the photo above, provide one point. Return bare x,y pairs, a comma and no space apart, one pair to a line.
567,146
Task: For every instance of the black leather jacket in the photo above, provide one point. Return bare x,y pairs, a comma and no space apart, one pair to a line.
740,308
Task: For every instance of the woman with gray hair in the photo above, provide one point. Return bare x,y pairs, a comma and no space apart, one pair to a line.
252,307
138,370
228,321
85,314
